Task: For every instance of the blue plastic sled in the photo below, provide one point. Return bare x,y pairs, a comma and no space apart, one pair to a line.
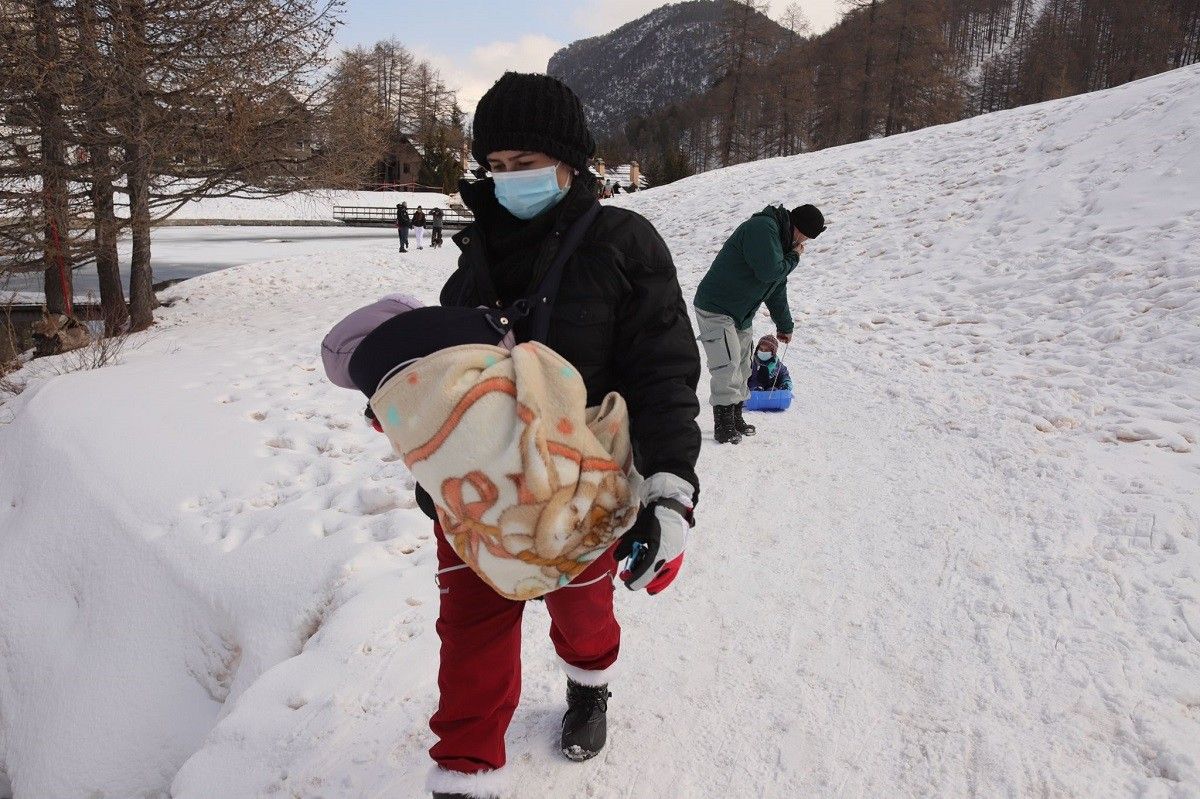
777,400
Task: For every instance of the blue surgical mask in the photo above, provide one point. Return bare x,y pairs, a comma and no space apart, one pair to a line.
528,192
765,356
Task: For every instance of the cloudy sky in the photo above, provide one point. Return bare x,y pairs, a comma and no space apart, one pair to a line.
473,42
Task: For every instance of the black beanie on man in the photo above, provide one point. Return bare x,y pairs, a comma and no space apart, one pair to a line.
808,220
532,112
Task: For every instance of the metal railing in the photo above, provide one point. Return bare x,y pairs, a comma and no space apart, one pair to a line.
383,216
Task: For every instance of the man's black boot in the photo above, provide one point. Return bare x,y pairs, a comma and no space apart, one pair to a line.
584,726
740,424
724,429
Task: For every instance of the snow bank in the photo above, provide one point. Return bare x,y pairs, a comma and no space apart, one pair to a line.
946,571
143,586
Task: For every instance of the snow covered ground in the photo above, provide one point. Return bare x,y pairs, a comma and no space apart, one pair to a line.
196,249
304,206
966,563
185,252
298,206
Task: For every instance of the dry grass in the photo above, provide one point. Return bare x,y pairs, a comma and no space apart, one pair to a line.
17,372
100,352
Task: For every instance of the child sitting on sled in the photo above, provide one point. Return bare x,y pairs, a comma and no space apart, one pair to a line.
767,372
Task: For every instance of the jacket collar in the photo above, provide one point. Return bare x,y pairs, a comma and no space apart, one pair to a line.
491,217
783,220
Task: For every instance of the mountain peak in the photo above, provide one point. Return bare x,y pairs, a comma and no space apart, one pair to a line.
666,56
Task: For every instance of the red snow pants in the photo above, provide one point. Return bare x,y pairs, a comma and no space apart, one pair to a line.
480,673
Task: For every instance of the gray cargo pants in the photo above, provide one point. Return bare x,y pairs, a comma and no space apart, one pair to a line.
728,351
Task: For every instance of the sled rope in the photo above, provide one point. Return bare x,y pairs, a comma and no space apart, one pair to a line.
778,371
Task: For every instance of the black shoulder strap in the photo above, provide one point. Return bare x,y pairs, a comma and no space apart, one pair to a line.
547,293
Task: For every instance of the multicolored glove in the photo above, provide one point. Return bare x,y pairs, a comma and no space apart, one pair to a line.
652,550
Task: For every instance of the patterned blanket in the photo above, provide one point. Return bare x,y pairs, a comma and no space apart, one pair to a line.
530,485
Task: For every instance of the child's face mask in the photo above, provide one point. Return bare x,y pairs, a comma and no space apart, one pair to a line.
765,356
528,192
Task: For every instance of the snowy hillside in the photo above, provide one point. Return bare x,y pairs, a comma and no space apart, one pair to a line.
966,563
1048,252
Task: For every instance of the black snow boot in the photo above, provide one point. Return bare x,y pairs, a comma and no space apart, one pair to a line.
724,428
585,726
740,423
437,795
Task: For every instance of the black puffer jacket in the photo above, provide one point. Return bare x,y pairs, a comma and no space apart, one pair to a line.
619,318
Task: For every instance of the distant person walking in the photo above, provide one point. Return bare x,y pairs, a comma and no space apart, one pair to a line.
751,268
418,221
402,225
435,217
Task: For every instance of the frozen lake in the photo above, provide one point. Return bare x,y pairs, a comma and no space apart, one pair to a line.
184,252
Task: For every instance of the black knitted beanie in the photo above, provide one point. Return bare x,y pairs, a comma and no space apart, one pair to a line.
808,220
532,112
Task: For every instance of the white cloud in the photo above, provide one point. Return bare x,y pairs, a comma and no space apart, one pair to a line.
601,16
475,74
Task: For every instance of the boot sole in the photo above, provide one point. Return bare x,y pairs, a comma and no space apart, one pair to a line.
578,754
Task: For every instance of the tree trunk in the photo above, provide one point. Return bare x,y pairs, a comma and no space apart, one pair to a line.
864,113
112,294
56,256
741,41
141,279
137,172
895,96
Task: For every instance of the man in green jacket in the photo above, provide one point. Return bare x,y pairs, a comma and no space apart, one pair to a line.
752,268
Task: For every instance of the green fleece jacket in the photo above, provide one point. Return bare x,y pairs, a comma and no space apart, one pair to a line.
752,268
